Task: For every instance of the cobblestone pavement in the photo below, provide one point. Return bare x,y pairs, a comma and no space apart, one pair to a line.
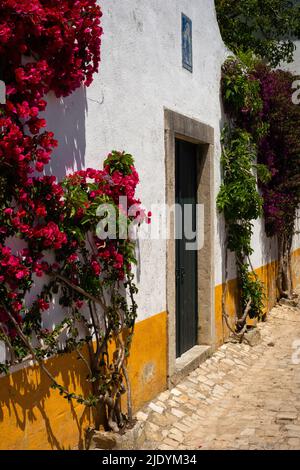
241,398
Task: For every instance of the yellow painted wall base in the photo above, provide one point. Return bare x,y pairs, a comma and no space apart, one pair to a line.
267,274
33,416
296,268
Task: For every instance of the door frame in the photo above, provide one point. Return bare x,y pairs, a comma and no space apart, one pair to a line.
178,126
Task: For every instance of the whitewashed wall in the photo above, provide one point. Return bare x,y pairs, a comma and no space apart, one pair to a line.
140,74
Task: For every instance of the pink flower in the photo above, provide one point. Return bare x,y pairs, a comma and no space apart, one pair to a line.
8,211
73,258
96,268
119,260
17,306
79,304
22,273
43,305
41,211
39,166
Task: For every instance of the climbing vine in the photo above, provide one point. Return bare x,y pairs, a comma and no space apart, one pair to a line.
238,198
240,203
48,228
263,129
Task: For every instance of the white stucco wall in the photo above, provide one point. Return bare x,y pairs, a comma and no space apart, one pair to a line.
141,74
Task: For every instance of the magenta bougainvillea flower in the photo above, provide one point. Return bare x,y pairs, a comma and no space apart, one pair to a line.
51,46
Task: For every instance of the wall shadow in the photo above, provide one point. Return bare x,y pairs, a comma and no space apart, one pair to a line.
31,419
66,118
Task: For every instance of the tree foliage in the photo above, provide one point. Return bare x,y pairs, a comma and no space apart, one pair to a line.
266,27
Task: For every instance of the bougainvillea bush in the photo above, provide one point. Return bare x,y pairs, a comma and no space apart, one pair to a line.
48,228
279,149
258,100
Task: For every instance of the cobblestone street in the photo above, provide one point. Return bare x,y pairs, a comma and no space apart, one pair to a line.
241,398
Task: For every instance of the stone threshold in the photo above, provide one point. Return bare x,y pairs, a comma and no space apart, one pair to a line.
188,362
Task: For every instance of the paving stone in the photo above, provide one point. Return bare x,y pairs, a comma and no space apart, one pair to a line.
182,399
200,396
210,401
161,420
217,395
248,432
142,416
229,362
194,381
293,430
173,403
182,427
202,379
286,416
228,385
203,387
293,433
161,404
171,443
156,408
272,431
176,392
177,413
164,396
190,407
220,389
176,436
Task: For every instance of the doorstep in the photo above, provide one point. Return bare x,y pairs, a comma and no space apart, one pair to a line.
188,362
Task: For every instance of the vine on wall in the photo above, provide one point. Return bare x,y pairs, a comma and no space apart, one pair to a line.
239,199
54,45
240,203
262,138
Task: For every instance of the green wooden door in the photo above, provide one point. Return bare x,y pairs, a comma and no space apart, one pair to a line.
186,260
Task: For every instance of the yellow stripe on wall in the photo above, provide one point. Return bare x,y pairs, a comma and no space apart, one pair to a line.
33,416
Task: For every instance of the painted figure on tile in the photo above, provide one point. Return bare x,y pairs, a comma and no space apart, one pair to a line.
187,43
